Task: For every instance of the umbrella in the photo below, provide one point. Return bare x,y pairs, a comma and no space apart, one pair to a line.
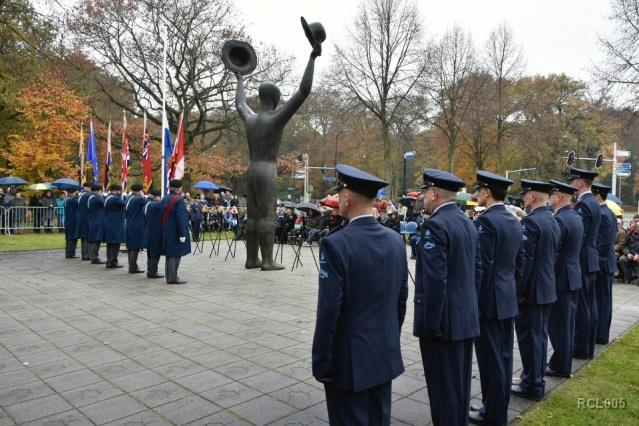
288,204
407,201
45,186
206,185
224,188
415,194
463,198
12,181
65,183
618,211
330,202
614,198
307,206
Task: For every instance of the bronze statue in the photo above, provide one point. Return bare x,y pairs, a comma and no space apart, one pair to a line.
264,131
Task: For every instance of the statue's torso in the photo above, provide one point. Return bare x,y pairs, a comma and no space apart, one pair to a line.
264,136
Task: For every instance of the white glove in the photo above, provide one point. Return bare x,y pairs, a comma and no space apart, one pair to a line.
182,239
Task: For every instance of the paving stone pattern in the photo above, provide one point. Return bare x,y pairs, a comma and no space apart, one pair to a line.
80,344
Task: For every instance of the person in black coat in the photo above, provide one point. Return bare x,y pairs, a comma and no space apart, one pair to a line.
95,219
588,209
536,288
70,221
114,225
153,233
82,224
135,235
175,231
360,309
607,263
561,324
500,239
448,273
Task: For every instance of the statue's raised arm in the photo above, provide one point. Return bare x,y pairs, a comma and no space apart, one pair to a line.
243,109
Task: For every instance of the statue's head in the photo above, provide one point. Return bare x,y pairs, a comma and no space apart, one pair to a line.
269,96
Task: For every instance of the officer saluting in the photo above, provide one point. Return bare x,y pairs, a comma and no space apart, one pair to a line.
175,231
153,233
586,316
70,224
448,272
114,230
500,237
361,307
135,235
95,219
82,224
536,288
561,323
607,263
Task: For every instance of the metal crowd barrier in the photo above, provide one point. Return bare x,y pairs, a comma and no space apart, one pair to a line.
38,219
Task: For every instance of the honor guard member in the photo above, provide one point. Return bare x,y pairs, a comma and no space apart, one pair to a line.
586,316
135,235
361,306
500,237
95,217
561,324
175,231
536,287
82,224
114,229
607,263
448,272
70,224
153,233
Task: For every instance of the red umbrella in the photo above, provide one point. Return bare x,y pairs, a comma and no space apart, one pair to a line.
332,202
415,194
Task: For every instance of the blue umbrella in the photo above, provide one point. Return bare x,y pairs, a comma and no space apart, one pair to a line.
206,185
12,181
66,183
614,198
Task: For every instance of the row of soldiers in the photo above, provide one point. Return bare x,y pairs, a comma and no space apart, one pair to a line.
546,277
159,225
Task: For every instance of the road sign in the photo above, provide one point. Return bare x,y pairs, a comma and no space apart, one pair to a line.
623,153
570,158
329,179
624,169
300,174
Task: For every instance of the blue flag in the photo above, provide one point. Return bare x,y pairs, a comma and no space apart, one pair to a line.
92,155
168,150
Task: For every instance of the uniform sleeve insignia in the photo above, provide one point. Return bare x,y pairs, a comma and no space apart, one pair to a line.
429,246
480,228
322,257
323,274
427,233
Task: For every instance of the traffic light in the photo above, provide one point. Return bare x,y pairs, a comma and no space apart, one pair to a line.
599,161
570,159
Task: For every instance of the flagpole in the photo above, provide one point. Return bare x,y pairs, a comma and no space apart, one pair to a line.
163,171
81,156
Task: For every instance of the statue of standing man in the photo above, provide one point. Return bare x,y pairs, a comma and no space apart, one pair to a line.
264,131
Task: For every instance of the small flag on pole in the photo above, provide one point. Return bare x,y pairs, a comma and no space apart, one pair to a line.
146,158
107,160
176,168
81,174
92,154
126,156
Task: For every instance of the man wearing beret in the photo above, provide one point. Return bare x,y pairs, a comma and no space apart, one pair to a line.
70,224
607,263
135,237
500,238
588,209
153,233
114,228
95,219
361,307
536,288
175,231
448,273
82,224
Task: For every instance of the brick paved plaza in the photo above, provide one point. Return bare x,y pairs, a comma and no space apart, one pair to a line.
80,344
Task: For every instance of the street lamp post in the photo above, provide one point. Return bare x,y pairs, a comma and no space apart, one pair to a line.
408,155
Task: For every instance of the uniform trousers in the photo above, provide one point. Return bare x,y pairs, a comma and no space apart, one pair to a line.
448,368
94,251
586,317
532,336
112,253
561,330
494,350
368,407
603,292
70,247
152,264
84,249
133,259
171,265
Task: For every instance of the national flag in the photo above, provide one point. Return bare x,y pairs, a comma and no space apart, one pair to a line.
146,158
167,149
81,174
92,154
126,155
176,167
107,160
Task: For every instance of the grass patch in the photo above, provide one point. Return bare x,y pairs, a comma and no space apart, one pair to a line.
31,241
604,392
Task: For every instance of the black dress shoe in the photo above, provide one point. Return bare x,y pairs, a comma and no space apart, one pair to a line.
136,271
114,266
86,258
154,276
477,419
580,356
72,257
178,281
98,262
553,373
518,391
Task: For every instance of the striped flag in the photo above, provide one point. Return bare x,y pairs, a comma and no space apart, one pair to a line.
176,169
146,158
126,156
92,154
107,160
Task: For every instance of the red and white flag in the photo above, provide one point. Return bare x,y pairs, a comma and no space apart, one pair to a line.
176,166
126,156
146,158
107,161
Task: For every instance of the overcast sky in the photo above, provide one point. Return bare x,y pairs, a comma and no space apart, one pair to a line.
557,36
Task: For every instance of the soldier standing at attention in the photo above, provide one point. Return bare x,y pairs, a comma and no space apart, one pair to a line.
153,233
82,224
95,219
114,230
135,236
175,231
70,224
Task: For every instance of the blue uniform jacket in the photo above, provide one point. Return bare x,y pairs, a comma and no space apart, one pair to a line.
536,283
177,226
567,267
606,240
589,210
500,237
135,232
95,217
448,273
114,231
361,306
71,218
82,224
153,227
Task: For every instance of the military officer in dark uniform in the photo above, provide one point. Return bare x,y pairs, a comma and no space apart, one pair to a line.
361,307
135,235
500,238
95,219
536,288
175,231
114,228
70,224
82,223
586,316
561,323
607,263
448,273
153,233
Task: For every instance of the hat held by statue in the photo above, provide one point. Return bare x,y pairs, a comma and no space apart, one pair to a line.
239,56
315,32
